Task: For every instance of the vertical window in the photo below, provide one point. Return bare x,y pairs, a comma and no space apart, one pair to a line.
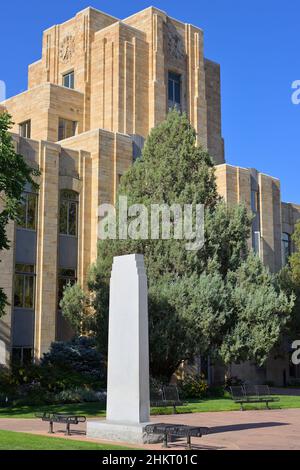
25,129
21,356
286,248
68,80
27,211
65,276
174,90
24,286
68,220
66,128
256,242
255,201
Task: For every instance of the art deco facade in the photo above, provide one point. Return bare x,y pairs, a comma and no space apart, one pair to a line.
101,85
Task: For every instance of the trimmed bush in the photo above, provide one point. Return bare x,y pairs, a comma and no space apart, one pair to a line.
193,387
79,395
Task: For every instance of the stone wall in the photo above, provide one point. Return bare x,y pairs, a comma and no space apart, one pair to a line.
44,105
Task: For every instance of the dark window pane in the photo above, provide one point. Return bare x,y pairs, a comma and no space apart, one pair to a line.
20,268
31,211
63,217
177,93
174,89
66,128
27,356
24,268
22,212
28,291
286,248
68,212
170,90
65,272
72,218
69,194
29,129
27,211
25,129
61,129
18,293
68,80
24,286
74,129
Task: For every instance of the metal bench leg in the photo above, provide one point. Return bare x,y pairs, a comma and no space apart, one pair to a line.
189,444
165,443
50,428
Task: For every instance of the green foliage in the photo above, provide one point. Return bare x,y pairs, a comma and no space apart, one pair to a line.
217,300
261,311
79,395
193,387
78,356
289,284
73,366
73,306
14,174
289,280
295,258
216,391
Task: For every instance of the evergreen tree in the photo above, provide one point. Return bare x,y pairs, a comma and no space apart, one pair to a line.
195,297
295,258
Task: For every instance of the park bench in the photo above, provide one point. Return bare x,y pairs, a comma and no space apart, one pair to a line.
166,396
176,430
248,394
52,418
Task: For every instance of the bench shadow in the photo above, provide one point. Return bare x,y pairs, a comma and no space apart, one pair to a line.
74,432
179,444
244,426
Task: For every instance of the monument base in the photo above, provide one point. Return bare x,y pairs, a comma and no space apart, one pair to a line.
121,432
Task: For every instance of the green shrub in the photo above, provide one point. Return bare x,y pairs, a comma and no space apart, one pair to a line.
193,387
8,385
79,356
74,367
216,391
78,395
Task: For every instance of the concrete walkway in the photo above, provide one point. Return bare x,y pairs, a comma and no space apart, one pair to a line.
258,429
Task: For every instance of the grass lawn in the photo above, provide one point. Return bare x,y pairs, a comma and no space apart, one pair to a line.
10,440
193,406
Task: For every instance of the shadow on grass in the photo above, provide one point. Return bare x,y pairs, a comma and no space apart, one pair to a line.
86,409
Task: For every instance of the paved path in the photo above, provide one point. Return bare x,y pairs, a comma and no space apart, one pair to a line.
259,429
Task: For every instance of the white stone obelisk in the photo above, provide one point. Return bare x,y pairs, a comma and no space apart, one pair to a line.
128,344
128,355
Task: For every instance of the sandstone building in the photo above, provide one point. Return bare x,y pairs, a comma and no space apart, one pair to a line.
98,89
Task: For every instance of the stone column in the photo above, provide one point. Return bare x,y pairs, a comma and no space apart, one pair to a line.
128,349
128,356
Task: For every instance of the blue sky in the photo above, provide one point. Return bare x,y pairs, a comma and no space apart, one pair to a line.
256,42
